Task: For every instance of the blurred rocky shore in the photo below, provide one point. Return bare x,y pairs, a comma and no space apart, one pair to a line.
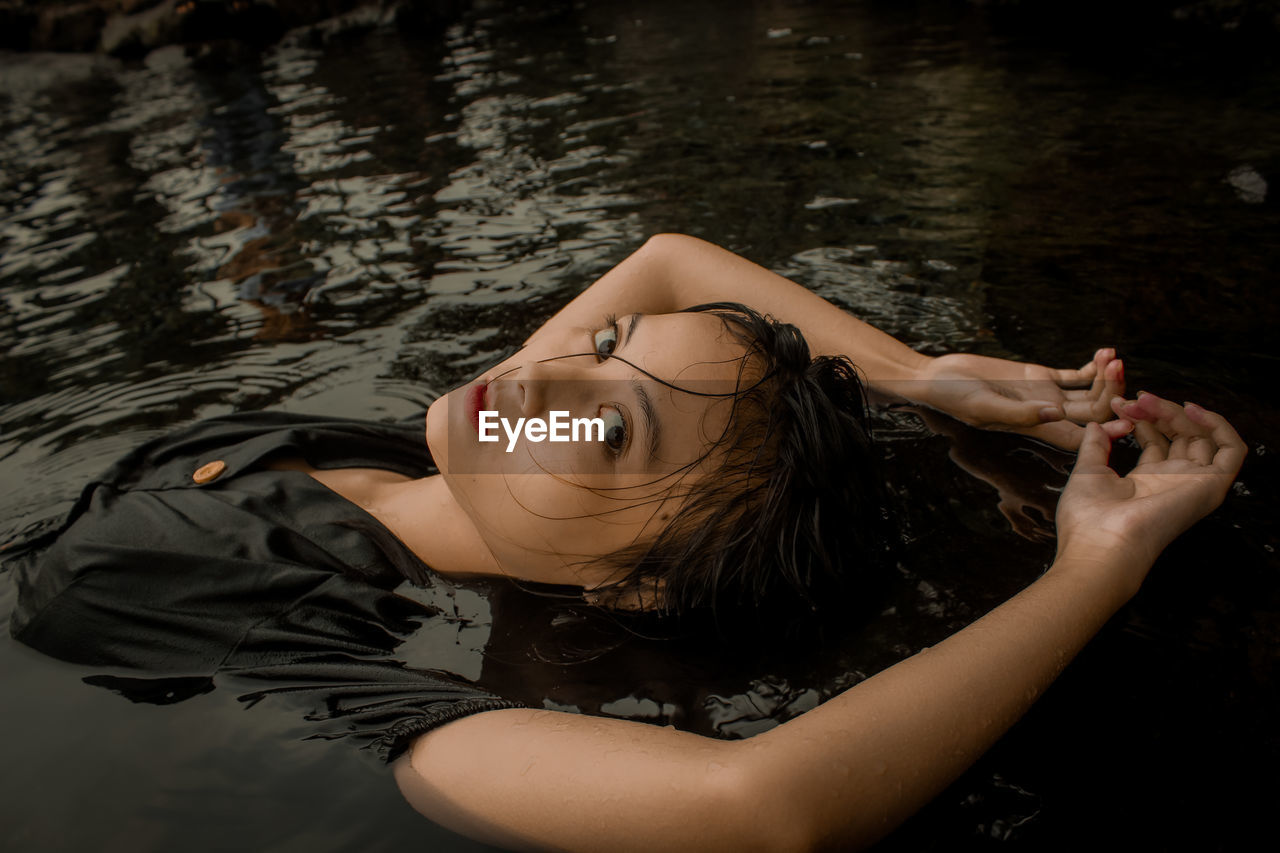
131,28
128,28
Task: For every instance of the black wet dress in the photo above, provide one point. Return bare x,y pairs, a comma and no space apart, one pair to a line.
188,563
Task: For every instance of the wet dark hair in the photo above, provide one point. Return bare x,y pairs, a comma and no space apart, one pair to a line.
795,508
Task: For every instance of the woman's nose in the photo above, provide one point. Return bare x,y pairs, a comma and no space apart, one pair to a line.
560,384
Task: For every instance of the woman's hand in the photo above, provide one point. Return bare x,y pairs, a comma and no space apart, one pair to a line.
1190,456
1043,402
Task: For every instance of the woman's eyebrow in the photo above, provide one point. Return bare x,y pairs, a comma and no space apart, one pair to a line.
631,327
648,411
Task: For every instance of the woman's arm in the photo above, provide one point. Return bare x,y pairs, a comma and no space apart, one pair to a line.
671,272
841,775
852,769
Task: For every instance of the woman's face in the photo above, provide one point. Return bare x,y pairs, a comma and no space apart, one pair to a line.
544,508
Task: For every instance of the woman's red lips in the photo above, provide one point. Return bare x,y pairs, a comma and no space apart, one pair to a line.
475,402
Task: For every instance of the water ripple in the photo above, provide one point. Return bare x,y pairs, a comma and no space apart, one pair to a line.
928,314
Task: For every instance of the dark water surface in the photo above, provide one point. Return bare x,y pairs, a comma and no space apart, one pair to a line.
357,225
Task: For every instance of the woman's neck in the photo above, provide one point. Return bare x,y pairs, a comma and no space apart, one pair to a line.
424,515
427,518
421,513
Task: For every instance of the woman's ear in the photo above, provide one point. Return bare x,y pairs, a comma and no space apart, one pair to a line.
649,594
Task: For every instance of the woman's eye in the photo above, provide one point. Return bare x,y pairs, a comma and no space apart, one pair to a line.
606,340
615,429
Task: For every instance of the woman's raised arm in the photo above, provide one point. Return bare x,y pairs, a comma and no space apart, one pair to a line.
847,772
671,272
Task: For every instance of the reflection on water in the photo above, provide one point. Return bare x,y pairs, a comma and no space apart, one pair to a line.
360,224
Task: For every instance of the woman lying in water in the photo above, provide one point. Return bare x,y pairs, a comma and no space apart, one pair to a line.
733,467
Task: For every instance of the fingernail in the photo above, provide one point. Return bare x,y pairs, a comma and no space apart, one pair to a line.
1192,407
1049,413
1145,394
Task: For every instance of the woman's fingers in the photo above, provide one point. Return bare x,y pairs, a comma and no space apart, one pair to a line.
1116,428
1231,449
1169,417
1114,386
1166,430
1085,375
1002,411
1094,370
1201,450
1152,435
1155,447
1095,448
1062,434
1108,377
1070,378
1094,404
